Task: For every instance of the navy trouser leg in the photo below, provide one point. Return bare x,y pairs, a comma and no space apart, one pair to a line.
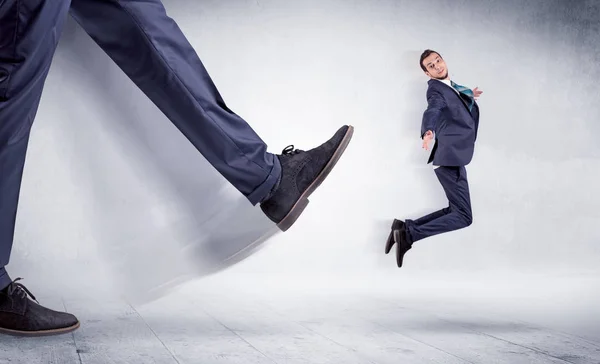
4,278
456,216
434,215
29,33
151,49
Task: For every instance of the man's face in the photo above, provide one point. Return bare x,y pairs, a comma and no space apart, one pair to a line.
436,67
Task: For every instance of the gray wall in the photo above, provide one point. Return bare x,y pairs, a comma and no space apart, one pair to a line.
114,194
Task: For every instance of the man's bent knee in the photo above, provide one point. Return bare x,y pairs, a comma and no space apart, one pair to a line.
468,219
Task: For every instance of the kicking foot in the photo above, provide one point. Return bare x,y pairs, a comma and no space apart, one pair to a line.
20,316
302,172
401,240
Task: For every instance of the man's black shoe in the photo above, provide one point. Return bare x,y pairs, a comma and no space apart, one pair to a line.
396,225
400,238
20,316
301,173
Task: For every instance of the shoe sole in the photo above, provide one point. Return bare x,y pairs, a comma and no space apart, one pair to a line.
61,331
302,202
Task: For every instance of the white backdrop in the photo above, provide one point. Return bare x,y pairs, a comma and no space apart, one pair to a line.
114,195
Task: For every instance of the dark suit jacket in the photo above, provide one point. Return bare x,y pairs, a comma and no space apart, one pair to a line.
455,127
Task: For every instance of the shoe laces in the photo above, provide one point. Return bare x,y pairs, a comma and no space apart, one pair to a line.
289,150
19,290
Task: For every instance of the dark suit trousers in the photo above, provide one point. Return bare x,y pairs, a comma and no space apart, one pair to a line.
151,49
456,216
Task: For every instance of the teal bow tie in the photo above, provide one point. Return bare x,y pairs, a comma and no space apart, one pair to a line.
465,91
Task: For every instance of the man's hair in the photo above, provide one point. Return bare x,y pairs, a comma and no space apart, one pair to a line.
424,55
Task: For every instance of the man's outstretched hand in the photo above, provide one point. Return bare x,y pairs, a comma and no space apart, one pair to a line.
427,138
477,92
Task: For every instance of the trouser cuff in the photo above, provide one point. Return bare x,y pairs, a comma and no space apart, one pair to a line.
263,191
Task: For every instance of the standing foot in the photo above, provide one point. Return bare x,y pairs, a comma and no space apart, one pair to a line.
20,316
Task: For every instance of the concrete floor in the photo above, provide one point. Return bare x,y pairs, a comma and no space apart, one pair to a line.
194,325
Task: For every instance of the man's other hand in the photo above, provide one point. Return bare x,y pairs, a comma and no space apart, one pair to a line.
427,138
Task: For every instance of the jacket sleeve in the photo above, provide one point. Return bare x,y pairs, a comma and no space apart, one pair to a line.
431,116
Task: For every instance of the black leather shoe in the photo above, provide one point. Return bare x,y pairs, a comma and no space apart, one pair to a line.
402,243
20,316
396,225
301,173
